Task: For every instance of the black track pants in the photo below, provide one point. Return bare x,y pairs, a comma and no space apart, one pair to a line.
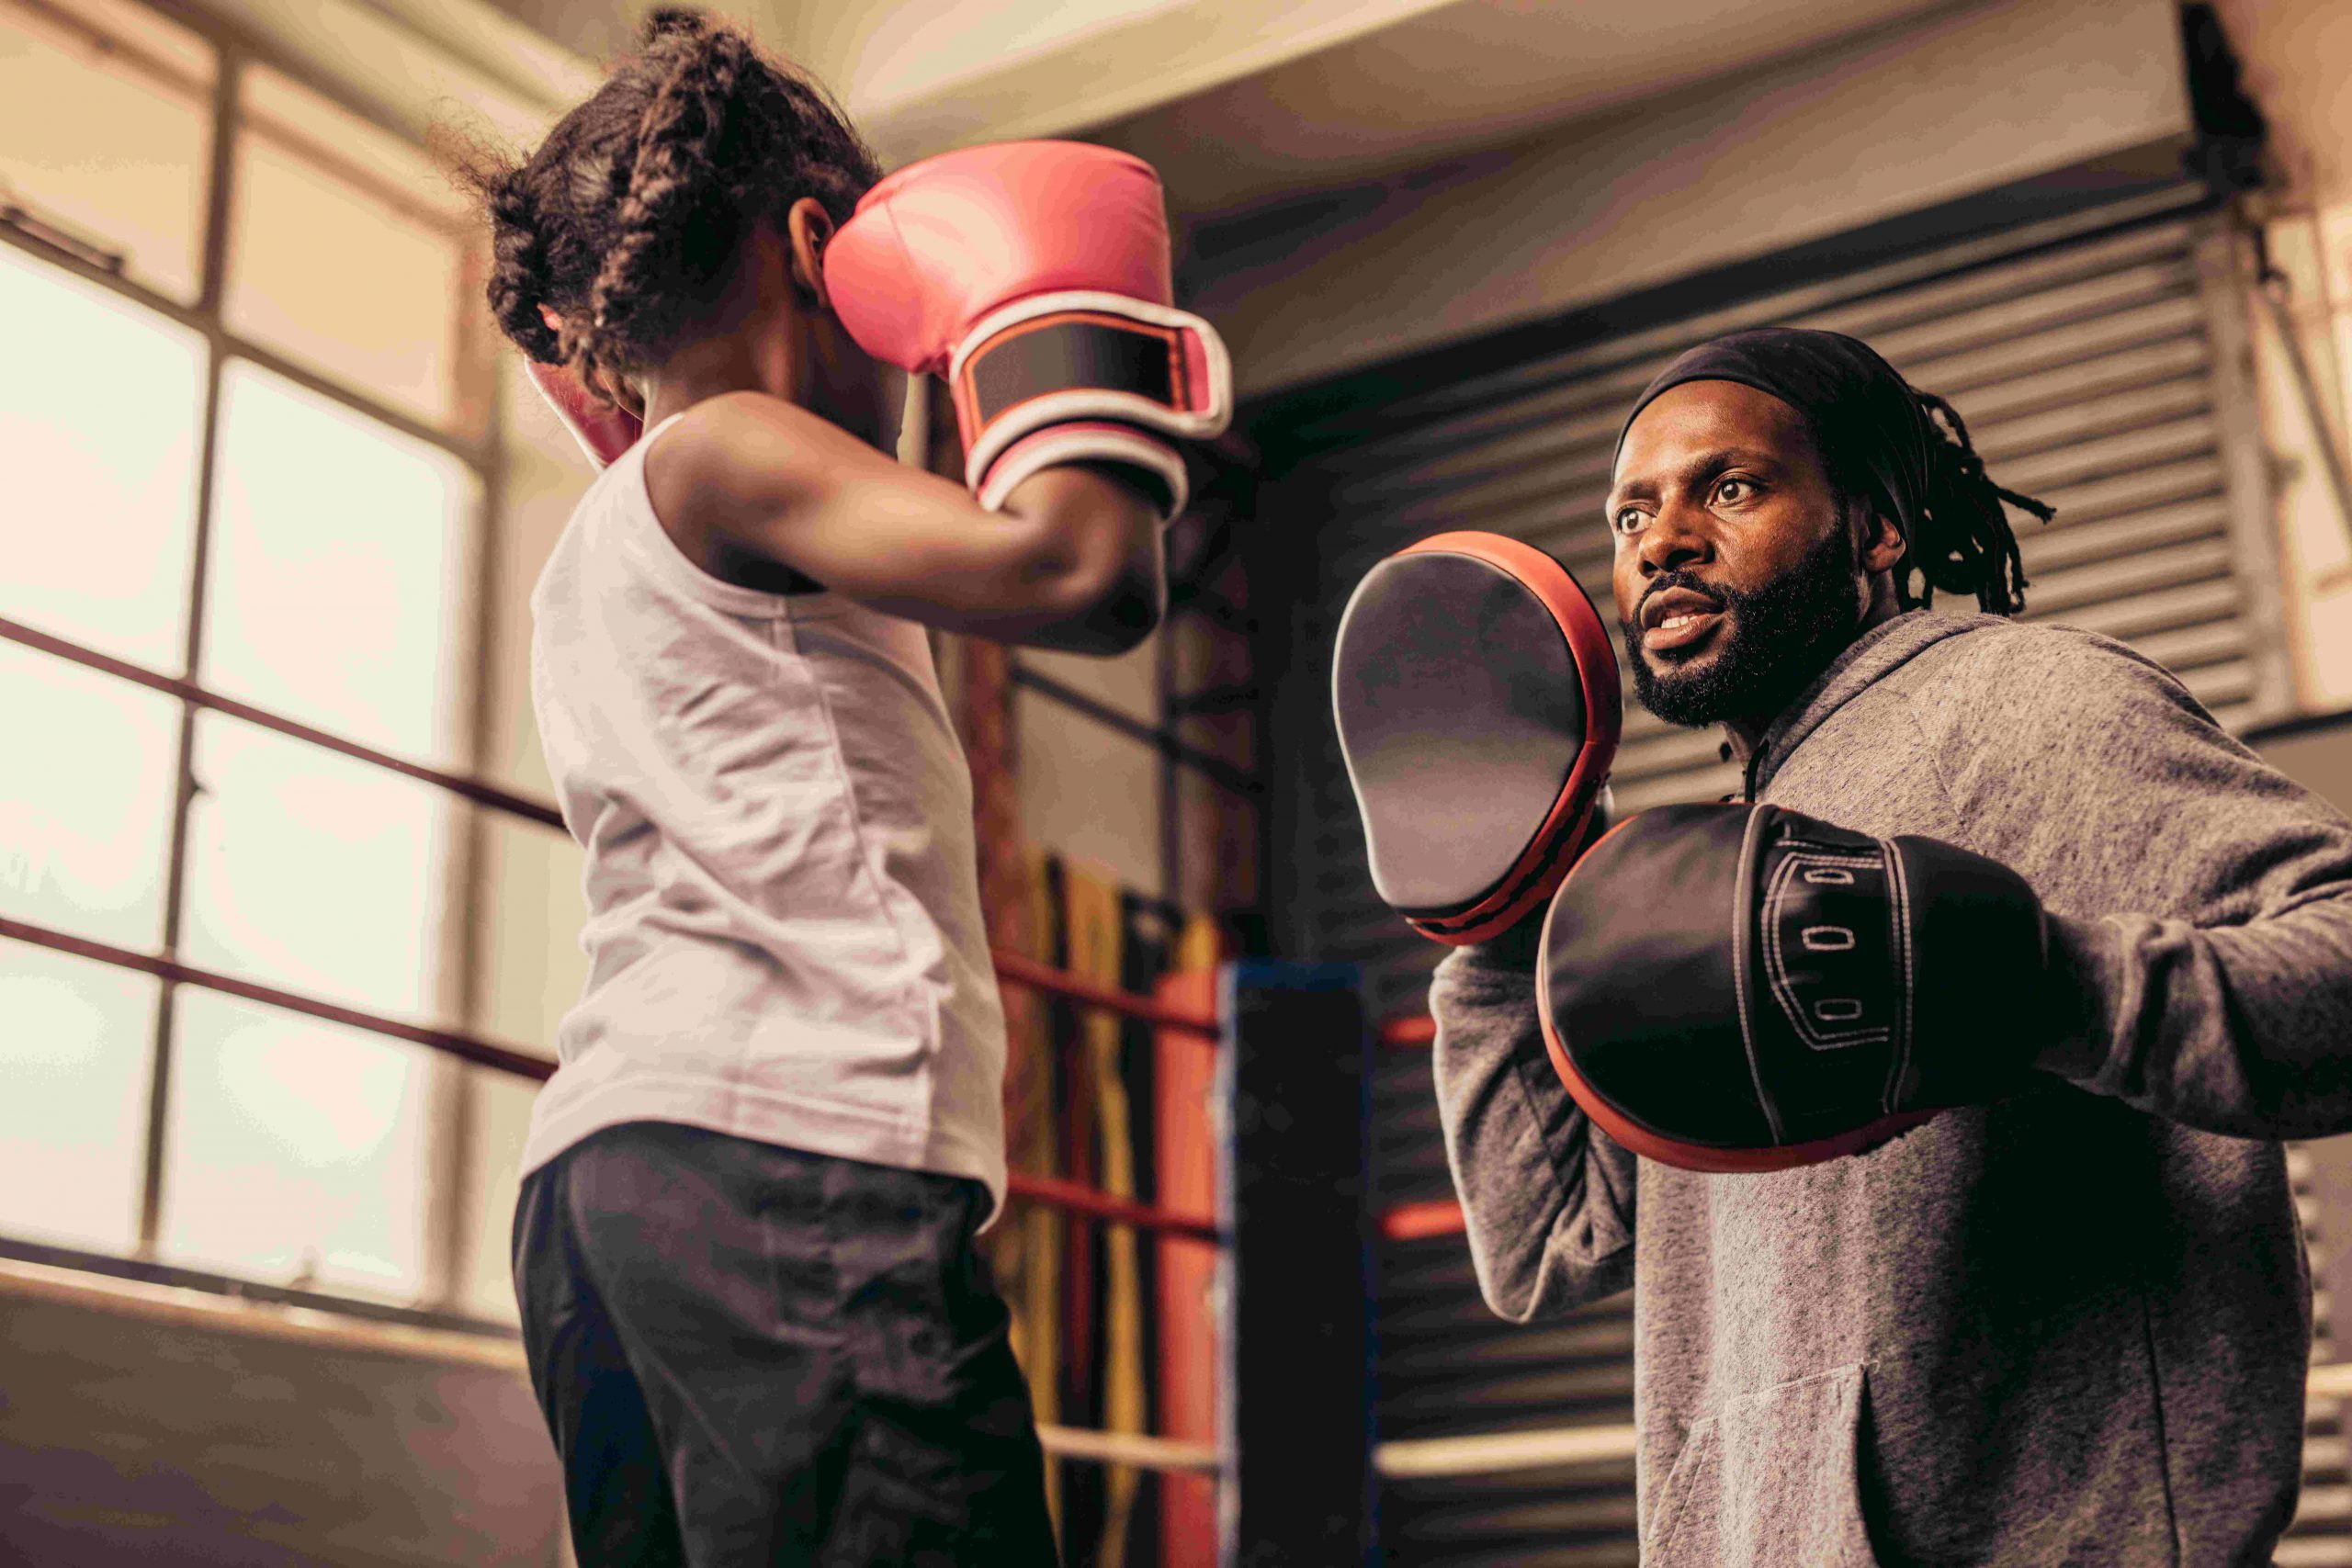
753,1355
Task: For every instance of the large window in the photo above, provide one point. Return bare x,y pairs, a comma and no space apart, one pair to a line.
272,856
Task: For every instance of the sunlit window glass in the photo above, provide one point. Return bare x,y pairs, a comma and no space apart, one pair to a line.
106,134
313,872
348,248
74,1053
528,917
98,415
338,552
295,1149
542,482
501,1117
86,784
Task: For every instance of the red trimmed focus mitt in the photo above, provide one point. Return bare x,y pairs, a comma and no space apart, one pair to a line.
1744,988
1477,706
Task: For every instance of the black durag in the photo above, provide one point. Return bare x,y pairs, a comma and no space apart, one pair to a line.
1872,430
1880,440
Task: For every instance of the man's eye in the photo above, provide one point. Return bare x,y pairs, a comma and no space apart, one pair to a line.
1733,492
1629,521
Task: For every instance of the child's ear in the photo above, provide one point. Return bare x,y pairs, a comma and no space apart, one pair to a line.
807,228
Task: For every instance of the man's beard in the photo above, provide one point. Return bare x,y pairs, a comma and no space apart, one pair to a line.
1779,639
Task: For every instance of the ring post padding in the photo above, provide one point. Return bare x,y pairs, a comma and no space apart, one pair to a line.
1185,1159
1296,1343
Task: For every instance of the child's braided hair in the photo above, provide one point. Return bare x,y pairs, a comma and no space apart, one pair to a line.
622,227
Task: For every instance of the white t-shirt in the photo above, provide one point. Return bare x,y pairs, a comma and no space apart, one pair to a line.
784,917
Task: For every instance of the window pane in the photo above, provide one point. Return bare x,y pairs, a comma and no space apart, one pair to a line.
501,1117
545,477
529,919
73,1048
105,132
347,249
339,549
86,798
313,872
295,1149
98,418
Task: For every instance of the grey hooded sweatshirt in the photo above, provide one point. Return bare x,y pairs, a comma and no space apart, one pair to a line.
2069,1328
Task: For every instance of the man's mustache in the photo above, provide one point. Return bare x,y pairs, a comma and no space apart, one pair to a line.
1665,580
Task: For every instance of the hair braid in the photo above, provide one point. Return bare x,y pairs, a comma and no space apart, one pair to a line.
671,215
1964,542
518,277
625,224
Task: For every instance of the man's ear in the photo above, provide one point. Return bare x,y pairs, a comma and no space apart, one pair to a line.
1882,543
807,228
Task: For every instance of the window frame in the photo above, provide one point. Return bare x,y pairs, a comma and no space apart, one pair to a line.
474,437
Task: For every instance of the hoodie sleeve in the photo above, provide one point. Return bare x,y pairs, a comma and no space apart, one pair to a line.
1548,1196
2201,902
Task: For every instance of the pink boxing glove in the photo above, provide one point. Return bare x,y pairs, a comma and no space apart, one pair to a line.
604,430
1034,276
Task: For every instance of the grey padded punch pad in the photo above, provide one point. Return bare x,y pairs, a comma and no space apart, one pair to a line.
1460,715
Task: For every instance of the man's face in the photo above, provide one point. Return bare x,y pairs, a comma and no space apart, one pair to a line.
1737,572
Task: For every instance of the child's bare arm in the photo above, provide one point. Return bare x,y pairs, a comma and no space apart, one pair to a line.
1073,562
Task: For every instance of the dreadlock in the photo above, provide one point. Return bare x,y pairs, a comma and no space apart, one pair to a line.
1891,451
1962,542
623,225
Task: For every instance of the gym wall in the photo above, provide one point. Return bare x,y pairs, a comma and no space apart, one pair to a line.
1994,197
1434,287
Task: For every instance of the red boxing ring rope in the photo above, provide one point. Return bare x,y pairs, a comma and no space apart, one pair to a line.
1437,1216
1408,1033
1069,1195
1012,969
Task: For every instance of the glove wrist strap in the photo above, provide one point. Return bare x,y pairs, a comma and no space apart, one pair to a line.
1084,355
1088,441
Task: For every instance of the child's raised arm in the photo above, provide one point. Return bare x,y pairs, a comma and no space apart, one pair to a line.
1071,561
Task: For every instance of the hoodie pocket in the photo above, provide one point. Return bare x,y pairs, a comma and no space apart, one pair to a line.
1768,1481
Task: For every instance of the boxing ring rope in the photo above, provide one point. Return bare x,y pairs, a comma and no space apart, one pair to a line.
196,696
1498,1453
1140,1450
1130,1449
1407,1459
1069,1195
466,1047
1410,1032
1403,1223
1562,1448
1016,970
1011,968
1429,1217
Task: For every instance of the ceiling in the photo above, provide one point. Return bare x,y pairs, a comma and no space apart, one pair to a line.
1461,77
1242,103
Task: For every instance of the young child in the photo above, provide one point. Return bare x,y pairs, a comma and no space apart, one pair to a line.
753,1307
